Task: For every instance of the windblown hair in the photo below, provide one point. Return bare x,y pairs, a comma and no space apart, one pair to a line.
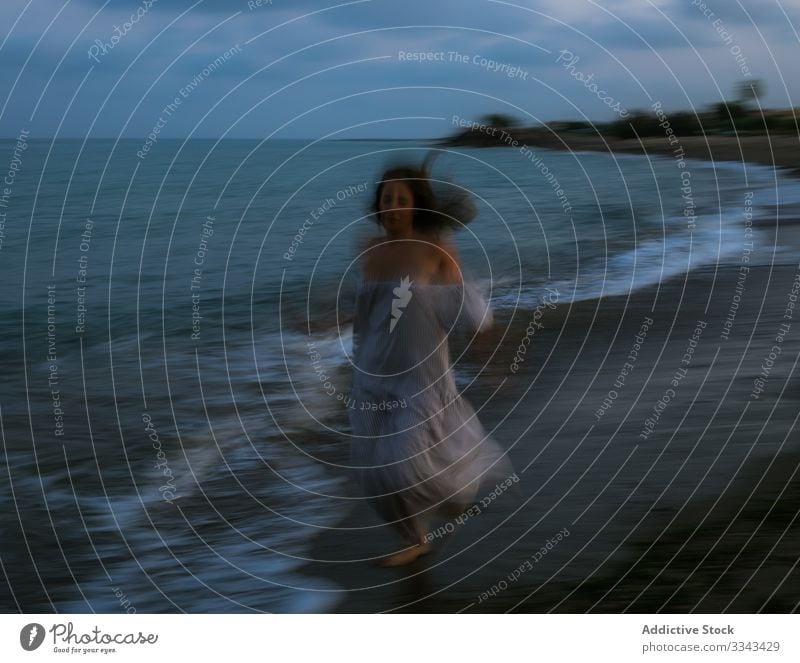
447,207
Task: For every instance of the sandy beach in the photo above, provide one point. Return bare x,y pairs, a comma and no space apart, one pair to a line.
654,437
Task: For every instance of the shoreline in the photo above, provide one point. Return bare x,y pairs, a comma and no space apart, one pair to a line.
777,151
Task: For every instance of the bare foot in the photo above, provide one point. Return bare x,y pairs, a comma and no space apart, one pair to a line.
405,556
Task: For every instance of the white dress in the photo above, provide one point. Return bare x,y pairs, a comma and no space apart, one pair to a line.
418,448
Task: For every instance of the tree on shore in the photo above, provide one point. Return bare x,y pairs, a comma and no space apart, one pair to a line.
749,92
500,121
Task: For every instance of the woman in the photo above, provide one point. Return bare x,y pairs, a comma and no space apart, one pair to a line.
418,447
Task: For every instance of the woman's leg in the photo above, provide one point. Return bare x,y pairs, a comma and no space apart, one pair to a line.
414,533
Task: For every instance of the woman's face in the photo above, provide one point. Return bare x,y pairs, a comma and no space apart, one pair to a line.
396,206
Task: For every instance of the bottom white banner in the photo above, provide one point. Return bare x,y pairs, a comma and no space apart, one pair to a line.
400,638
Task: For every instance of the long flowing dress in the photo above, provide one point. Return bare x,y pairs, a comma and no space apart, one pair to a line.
418,448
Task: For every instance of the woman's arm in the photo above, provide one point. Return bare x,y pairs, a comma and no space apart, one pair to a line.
467,305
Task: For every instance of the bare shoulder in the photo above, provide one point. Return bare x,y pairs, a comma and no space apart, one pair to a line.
368,257
369,248
445,245
367,243
449,269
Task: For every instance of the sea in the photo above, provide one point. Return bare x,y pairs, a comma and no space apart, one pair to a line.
176,335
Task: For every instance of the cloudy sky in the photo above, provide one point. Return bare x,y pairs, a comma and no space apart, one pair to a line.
349,68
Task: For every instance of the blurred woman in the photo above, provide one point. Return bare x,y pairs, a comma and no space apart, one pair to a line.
419,449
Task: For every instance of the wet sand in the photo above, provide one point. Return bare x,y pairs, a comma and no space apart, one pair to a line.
698,514
695,511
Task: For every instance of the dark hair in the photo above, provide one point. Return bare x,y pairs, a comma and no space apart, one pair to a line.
432,213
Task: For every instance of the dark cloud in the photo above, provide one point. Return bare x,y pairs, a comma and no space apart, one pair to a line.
501,33
735,12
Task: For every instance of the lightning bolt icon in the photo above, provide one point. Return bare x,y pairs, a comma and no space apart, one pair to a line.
402,295
32,635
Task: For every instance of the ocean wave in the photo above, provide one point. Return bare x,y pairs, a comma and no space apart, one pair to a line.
716,239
